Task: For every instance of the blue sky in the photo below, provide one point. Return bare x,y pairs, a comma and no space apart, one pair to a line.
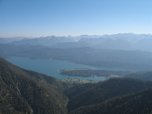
74,17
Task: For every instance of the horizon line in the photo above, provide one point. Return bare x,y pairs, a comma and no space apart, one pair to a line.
81,35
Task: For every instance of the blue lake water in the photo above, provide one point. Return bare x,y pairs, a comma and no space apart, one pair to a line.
51,67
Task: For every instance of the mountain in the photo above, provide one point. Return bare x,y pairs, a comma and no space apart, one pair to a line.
49,41
110,59
118,51
9,40
90,94
146,76
138,103
27,92
121,41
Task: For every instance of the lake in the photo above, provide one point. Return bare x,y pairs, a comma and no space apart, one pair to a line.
51,67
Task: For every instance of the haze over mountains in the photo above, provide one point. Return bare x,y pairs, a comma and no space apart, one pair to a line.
122,41
119,51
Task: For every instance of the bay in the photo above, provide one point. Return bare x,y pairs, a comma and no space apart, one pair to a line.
52,67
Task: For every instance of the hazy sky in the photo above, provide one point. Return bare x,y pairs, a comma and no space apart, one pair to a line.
74,17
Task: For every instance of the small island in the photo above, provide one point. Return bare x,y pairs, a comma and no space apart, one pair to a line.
93,73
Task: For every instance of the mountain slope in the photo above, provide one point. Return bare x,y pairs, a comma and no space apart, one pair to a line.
93,94
139,103
26,92
146,76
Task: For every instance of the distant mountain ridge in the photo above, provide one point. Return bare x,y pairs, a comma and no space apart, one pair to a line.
106,58
121,41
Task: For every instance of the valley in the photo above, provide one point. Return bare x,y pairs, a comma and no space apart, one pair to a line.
75,56
52,67
27,92
51,76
